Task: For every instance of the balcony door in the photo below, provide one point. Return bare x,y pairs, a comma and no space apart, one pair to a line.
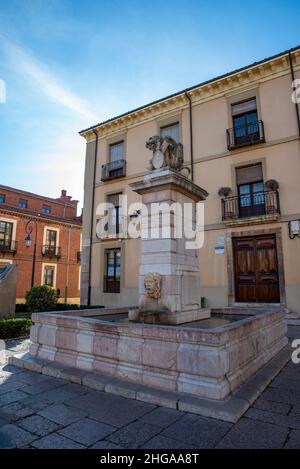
116,156
6,230
256,270
245,122
113,271
51,239
251,195
251,199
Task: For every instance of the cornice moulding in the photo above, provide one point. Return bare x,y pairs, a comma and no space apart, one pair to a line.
235,83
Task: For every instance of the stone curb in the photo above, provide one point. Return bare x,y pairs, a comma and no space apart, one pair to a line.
230,409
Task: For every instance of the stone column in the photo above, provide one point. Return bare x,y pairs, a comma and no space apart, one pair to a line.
169,278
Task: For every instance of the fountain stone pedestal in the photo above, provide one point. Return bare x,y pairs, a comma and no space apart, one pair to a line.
169,278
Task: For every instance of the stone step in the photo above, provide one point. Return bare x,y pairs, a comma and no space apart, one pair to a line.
230,409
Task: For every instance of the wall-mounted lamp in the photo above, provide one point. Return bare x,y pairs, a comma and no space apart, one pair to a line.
294,228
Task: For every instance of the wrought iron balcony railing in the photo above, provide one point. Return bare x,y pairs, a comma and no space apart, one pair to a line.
51,251
245,135
111,285
251,205
8,246
115,169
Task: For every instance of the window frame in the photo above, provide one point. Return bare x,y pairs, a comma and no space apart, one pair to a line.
166,126
113,144
113,286
21,201
47,212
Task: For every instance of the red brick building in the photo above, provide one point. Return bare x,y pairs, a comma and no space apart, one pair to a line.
58,244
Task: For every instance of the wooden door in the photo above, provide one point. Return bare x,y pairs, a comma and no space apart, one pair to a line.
256,270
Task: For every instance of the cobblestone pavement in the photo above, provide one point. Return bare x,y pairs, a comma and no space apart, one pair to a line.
37,411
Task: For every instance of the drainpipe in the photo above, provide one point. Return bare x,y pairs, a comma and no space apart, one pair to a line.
191,135
294,89
68,266
92,218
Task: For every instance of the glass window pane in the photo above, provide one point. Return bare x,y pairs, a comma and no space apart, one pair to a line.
116,152
258,186
244,189
171,131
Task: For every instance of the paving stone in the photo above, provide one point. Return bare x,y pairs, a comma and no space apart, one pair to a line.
271,417
11,386
277,407
35,404
295,410
59,394
4,418
286,396
12,396
103,444
293,441
38,425
76,389
118,411
162,442
87,431
12,369
62,414
200,432
55,441
89,402
17,410
252,434
38,388
161,417
283,382
30,377
17,435
134,435
6,442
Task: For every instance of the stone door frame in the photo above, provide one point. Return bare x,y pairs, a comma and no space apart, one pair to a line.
230,263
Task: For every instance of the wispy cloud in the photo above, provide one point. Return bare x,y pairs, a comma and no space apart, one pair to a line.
24,62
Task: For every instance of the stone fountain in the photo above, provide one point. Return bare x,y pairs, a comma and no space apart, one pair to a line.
169,278
168,350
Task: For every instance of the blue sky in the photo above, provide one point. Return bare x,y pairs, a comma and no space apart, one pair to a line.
70,64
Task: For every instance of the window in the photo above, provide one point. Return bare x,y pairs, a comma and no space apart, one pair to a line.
115,214
171,131
46,209
250,190
116,152
23,203
51,237
112,271
49,275
245,122
6,230
2,198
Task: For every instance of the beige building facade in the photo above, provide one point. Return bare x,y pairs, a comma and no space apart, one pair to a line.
241,140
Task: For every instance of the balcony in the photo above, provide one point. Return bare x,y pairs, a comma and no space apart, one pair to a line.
51,251
8,246
251,209
249,134
111,285
113,170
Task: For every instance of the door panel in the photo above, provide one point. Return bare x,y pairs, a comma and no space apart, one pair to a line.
256,270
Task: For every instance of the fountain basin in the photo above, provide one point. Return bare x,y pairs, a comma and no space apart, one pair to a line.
209,360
